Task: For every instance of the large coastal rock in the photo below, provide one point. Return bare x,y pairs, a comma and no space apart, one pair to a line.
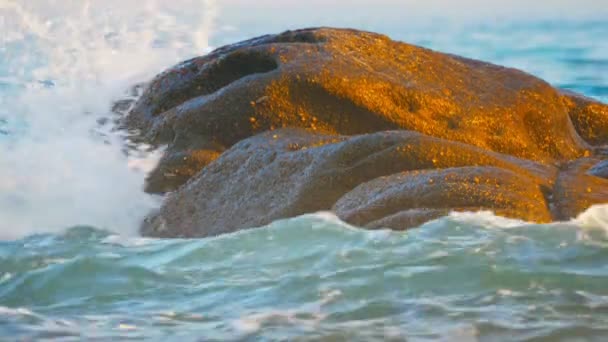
384,133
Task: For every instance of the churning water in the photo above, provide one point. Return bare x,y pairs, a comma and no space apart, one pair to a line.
72,267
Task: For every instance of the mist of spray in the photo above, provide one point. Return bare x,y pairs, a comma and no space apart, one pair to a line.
62,65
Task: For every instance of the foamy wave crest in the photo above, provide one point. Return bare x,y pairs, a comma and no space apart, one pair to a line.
487,219
62,65
595,217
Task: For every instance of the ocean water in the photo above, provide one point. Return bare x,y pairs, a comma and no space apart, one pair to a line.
73,268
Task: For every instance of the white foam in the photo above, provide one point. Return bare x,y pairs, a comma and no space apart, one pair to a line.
487,219
329,296
329,217
67,61
253,323
307,315
19,312
126,241
595,217
6,277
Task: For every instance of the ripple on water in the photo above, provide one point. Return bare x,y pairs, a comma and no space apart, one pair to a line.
466,275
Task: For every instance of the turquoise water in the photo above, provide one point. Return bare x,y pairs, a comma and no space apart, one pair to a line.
311,277
465,277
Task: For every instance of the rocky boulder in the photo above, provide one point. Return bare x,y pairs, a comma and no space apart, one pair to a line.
384,133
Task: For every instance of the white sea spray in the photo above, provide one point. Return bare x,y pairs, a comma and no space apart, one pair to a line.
64,63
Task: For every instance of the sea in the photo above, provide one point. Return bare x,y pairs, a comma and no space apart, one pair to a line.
73,267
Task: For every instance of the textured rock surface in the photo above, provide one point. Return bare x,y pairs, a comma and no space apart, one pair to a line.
489,137
590,117
394,179
399,200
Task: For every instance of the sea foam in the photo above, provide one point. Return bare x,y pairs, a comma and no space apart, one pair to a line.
62,65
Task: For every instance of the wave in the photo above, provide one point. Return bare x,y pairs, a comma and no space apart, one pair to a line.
63,64
312,275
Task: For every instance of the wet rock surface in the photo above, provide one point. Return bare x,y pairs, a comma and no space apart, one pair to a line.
384,133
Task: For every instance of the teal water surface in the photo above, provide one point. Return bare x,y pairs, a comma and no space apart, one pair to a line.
311,277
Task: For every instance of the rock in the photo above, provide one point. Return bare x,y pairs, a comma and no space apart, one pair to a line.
407,199
590,117
600,169
365,179
356,98
351,82
577,189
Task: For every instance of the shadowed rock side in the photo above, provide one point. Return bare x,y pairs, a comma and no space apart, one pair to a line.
394,179
488,137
